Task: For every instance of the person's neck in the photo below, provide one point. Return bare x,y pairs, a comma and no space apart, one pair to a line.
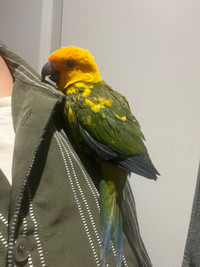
6,80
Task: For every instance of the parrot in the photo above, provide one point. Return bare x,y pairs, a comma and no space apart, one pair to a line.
100,121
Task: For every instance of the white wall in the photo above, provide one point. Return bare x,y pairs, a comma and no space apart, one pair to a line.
20,27
149,50
31,28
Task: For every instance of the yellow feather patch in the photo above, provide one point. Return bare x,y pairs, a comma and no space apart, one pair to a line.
68,104
75,99
83,85
89,103
105,102
70,115
86,87
102,103
123,118
86,92
89,120
71,90
80,84
96,108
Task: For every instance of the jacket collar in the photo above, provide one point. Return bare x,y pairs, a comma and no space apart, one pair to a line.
21,71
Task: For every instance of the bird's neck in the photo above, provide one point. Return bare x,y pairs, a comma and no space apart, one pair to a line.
78,76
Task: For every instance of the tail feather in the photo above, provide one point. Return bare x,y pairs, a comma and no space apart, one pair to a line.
139,164
107,203
117,234
111,222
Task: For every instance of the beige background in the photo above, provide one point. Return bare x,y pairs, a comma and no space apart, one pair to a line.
149,50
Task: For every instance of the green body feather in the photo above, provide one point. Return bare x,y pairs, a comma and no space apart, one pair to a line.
113,124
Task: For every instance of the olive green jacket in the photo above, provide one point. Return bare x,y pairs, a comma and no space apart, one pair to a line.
50,214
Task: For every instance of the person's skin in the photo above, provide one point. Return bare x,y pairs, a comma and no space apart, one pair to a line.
6,80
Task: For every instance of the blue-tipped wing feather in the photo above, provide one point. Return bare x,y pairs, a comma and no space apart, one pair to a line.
139,164
107,209
117,235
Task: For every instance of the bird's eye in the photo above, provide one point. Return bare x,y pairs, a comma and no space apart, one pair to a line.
70,64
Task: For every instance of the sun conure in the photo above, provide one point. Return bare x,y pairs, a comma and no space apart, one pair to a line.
100,119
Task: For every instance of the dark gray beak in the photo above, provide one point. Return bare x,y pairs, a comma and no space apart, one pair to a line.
51,71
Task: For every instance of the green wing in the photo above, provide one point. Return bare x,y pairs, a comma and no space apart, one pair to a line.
105,115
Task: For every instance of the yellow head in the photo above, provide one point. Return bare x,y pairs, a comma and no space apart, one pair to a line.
69,65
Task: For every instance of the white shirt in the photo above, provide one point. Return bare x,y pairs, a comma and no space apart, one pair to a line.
7,137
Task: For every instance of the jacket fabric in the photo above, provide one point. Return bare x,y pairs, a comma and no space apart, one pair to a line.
50,214
192,248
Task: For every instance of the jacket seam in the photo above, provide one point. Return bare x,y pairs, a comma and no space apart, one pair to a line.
36,229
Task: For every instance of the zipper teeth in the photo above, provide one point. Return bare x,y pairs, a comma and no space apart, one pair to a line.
36,235
25,231
30,262
3,219
16,218
24,222
3,240
17,210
